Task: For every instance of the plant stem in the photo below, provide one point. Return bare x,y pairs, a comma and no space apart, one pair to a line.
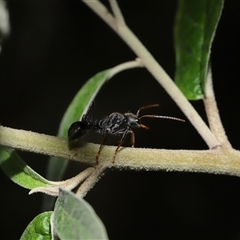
213,113
69,184
117,12
91,180
154,68
219,161
125,66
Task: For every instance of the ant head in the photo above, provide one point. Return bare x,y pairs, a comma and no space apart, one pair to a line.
132,121
78,130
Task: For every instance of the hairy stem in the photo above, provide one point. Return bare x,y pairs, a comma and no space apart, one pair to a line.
154,68
213,113
91,180
219,161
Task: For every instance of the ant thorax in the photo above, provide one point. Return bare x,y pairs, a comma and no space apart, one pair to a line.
115,124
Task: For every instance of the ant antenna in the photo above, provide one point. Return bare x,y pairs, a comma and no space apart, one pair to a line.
166,117
156,116
148,106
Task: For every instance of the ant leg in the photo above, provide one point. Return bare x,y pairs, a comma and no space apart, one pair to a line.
115,153
75,148
100,148
132,137
121,142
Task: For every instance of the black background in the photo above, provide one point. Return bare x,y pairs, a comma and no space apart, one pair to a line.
54,47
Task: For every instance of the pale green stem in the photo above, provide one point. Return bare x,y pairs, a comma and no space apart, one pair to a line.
212,112
91,180
218,161
124,66
69,184
117,12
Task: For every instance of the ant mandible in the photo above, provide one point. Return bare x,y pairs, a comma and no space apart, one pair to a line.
115,124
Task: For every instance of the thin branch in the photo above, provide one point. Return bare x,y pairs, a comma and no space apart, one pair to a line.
213,113
157,71
219,161
124,66
69,184
102,12
91,180
117,12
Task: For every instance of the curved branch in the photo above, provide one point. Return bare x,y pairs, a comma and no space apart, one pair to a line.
124,66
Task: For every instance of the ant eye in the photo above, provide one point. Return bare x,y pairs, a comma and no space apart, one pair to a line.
125,120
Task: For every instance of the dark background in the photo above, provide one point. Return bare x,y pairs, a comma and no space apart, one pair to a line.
54,47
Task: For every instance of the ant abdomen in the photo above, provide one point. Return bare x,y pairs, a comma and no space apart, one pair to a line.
78,130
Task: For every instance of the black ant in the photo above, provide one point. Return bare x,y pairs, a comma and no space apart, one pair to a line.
115,124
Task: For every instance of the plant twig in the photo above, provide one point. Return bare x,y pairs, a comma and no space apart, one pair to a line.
117,12
156,70
102,12
91,180
124,66
213,113
69,184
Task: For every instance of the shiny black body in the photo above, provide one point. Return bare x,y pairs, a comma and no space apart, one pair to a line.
115,124
80,128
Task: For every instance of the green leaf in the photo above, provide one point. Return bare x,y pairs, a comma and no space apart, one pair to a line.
77,107
81,101
17,170
74,218
195,26
38,228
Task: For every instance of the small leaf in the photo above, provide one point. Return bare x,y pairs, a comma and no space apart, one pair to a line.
81,101
74,218
17,170
38,228
195,26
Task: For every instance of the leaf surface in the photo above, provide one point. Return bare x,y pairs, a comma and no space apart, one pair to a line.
74,218
195,27
38,228
18,171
